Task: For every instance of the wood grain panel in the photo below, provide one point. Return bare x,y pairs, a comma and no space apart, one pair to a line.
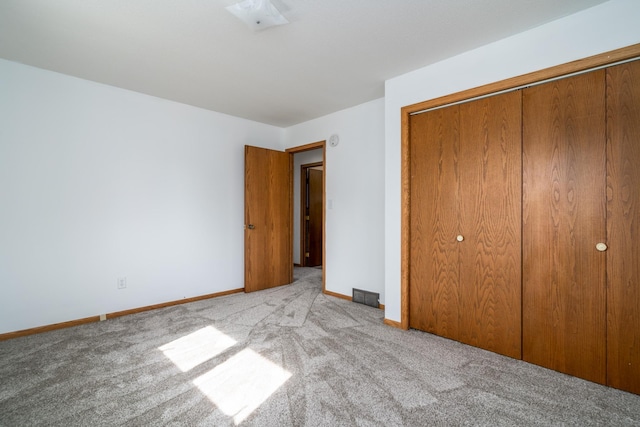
433,293
268,208
490,264
563,219
623,227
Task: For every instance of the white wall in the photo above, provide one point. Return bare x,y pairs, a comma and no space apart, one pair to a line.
98,182
354,174
299,159
600,29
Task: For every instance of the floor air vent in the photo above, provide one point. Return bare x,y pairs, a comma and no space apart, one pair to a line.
365,297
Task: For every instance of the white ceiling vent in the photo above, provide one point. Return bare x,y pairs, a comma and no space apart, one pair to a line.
257,14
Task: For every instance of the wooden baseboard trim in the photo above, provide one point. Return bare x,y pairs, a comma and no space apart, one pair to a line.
172,303
393,323
337,295
48,328
345,297
71,323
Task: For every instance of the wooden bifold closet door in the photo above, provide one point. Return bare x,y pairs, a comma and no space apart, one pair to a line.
465,223
564,169
581,226
623,226
435,217
525,224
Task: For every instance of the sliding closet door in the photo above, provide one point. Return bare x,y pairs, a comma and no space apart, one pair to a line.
434,299
490,204
563,220
623,227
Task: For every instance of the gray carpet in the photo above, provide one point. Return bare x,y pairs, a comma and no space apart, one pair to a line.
289,356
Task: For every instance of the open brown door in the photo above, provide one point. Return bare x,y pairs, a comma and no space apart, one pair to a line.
268,214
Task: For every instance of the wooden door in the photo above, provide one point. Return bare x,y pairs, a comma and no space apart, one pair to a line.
434,299
623,227
563,219
490,203
465,223
314,218
268,250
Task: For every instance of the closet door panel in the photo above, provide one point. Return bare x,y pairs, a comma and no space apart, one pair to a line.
563,219
490,262
434,298
623,226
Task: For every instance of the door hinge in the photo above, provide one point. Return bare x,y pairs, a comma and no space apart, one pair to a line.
307,218
306,254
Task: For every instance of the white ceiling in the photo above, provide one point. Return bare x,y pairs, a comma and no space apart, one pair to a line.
334,54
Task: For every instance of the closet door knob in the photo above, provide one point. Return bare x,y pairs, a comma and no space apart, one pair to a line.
601,247
460,238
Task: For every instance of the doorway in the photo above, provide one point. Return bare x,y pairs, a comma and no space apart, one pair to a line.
311,214
308,154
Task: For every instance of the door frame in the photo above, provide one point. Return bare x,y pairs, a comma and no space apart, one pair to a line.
308,147
581,65
303,197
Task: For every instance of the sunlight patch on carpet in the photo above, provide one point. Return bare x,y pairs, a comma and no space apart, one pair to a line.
191,350
242,383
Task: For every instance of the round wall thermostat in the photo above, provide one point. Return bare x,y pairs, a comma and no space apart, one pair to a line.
334,140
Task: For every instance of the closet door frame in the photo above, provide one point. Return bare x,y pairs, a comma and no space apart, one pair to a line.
592,62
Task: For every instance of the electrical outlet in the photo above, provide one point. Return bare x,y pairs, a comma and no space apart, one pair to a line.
122,282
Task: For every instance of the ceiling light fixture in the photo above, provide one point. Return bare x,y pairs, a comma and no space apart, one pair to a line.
257,14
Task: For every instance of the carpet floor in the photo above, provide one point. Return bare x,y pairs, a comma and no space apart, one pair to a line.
288,356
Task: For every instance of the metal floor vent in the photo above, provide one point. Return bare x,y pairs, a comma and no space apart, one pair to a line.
365,297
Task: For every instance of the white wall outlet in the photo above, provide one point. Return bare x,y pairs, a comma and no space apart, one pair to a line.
122,282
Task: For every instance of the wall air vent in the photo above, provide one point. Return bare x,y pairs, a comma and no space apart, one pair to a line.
365,297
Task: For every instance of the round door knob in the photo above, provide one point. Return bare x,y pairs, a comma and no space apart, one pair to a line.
460,238
601,247
251,226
